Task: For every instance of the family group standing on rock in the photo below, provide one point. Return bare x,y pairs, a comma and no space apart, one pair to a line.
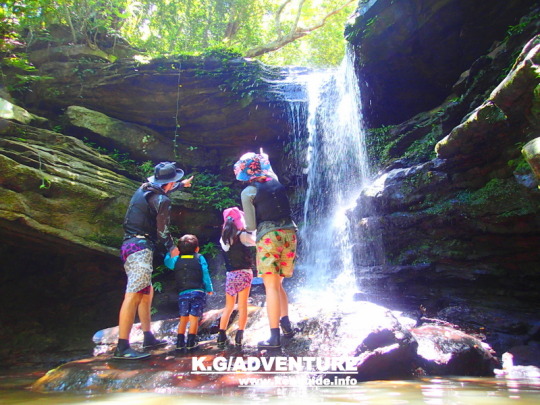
265,223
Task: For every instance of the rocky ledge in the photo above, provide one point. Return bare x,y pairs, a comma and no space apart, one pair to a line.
365,342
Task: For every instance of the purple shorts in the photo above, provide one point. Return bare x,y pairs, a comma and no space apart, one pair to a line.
237,280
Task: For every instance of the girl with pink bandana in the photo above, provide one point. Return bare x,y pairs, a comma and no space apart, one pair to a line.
235,241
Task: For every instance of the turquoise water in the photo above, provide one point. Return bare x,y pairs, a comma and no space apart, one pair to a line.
14,389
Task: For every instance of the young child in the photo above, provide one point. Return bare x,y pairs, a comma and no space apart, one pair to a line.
192,281
239,261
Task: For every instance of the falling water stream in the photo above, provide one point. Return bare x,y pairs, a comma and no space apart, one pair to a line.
336,170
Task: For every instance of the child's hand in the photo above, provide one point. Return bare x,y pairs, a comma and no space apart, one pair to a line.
210,293
174,252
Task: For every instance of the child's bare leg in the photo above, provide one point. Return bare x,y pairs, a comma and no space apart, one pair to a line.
193,324
242,307
182,325
227,311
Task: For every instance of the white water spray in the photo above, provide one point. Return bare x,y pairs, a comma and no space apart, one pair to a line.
337,169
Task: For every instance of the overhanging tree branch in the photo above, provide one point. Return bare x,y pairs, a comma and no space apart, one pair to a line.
295,32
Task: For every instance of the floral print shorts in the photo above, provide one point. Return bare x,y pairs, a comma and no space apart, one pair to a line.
237,280
276,253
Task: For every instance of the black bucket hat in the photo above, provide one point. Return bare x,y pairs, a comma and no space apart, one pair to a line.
166,172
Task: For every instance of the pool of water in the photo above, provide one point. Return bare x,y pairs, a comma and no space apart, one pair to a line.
14,389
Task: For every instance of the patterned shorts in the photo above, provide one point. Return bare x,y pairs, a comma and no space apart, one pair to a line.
276,252
192,303
138,267
237,280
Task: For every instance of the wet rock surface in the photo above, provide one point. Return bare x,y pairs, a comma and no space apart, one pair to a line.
378,343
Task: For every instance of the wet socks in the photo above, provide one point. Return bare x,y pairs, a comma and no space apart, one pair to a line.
180,342
273,342
191,341
286,326
222,338
238,338
123,345
149,339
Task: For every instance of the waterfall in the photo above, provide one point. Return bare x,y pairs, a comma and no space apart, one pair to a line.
334,161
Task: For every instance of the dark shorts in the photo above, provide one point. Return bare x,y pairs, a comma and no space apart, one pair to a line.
192,303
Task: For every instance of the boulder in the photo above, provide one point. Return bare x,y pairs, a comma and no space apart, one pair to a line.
446,351
10,111
141,142
47,177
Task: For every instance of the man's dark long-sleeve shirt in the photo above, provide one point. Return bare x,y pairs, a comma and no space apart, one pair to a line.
148,215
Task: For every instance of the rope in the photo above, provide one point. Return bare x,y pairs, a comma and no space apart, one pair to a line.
176,123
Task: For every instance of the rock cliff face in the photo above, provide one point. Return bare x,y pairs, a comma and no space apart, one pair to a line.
455,207
186,108
412,52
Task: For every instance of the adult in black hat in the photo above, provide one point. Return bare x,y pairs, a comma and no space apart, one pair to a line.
146,228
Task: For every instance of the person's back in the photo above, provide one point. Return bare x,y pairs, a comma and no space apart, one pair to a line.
271,201
267,210
192,282
237,245
188,273
239,256
145,226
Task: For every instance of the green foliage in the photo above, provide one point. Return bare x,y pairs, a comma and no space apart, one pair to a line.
378,141
322,48
209,249
190,27
107,240
20,62
424,149
159,271
498,197
523,24
45,183
122,158
519,165
146,169
221,52
210,192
